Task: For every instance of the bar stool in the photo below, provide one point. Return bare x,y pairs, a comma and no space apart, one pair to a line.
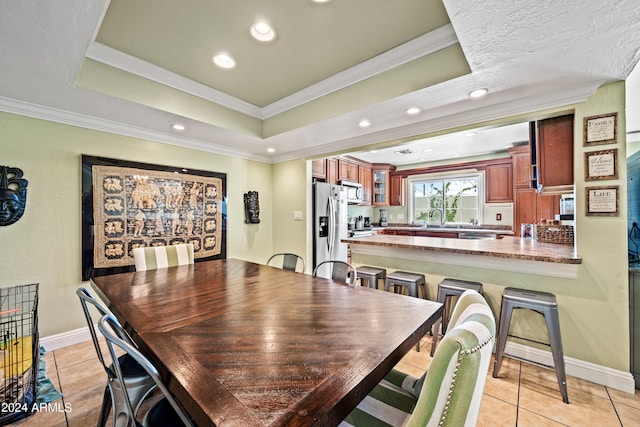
545,304
412,281
447,289
371,275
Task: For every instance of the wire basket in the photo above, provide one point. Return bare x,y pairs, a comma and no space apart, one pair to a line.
561,234
19,351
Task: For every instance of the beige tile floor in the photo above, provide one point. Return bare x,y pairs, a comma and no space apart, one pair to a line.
523,395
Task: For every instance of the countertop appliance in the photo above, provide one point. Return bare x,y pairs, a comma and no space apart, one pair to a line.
355,195
329,224
383,218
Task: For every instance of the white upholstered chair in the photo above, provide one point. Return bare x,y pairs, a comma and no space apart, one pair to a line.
450,392
151,258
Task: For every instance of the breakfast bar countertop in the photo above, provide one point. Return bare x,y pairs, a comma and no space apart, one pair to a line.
507,247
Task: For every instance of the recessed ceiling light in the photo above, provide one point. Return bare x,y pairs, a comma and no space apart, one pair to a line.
364,123
177,126
373,151
271,150
223,60
428,150
470,134
413,111
262,31
478,93
320,1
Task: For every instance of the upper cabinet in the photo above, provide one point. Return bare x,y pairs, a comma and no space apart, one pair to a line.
499,182
347,171
381,182
396,195
364,178
552,154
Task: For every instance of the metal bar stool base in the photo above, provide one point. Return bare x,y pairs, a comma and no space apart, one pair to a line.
447,289
412,281
545,304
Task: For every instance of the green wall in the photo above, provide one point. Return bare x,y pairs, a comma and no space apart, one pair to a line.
44,246
593,308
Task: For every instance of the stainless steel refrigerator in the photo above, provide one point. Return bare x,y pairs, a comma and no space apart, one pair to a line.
329,224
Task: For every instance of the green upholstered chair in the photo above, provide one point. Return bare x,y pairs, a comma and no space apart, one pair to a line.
151,258
287,261
450,392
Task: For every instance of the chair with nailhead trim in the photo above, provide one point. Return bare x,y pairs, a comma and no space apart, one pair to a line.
450,392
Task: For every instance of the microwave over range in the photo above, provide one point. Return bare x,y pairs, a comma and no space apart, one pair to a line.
354,192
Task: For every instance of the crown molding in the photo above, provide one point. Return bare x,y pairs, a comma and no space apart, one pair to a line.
420,46
130,64
75,119
449,119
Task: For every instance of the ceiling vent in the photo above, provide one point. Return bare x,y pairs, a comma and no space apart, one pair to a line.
405,151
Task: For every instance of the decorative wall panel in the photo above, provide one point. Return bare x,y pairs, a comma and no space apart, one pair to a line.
136,205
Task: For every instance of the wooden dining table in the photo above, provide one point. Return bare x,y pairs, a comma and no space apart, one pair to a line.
244,344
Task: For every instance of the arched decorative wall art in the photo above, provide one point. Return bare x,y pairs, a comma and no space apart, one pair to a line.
13,195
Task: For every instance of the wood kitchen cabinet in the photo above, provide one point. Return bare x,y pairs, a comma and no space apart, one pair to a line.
499,183
381,183
332,171
396,193
319,169
347,171
552,154
364,178
529,206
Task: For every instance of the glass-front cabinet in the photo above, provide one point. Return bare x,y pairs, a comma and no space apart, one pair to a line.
381,184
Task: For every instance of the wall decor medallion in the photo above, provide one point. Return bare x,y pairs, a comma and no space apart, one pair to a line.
128,205
13,195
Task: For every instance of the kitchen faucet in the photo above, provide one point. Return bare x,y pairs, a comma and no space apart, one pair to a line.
430,215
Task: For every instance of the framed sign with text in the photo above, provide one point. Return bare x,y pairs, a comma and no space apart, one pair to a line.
602,129
601,165
603,201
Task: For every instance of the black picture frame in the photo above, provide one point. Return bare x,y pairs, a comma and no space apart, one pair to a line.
88,227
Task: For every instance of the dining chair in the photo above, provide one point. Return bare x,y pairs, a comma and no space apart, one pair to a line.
136,380
289,261
450,392
337,270
165,412
154,257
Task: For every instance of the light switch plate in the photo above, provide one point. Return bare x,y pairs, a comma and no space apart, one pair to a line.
297,215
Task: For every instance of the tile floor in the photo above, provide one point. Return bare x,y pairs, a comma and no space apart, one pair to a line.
523,395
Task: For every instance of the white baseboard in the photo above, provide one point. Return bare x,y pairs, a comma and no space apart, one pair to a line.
55,342
598,374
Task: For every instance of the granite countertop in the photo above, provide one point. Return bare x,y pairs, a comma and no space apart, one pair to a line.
490,229
508,247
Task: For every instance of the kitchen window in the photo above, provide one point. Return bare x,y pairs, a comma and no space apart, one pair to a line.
446,199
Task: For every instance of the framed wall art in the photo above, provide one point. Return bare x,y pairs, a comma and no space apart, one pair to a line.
603,201
127,204
601,165
602,129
